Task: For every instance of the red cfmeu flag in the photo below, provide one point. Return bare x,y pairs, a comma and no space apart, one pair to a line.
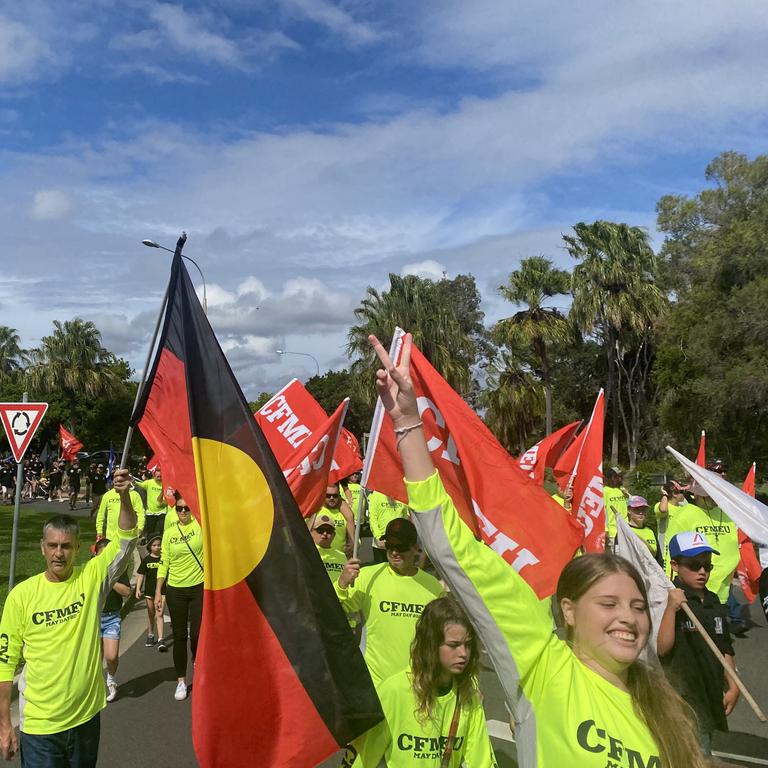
582,465
511,514
279,679
290,417
748,569
701,456
310,465
547,451
69,444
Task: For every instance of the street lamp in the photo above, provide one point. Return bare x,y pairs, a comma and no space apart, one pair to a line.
303,354
153,244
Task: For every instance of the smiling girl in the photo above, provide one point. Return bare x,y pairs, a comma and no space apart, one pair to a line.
585,701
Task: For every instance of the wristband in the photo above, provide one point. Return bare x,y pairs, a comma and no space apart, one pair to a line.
401,432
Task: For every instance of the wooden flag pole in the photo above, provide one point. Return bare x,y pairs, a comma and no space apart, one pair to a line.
729,671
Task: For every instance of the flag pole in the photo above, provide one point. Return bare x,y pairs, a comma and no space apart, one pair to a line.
142,380
16,513
373,439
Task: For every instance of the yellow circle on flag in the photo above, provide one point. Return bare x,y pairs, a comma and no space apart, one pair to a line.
236,510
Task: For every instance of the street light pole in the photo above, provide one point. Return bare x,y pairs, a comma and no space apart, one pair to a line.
303,354
153,244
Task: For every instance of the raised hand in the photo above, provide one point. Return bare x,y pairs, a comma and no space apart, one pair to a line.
393,383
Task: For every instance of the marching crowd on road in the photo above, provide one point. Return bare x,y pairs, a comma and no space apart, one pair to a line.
572,667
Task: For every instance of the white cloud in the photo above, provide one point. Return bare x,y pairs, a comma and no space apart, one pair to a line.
433,270
333,17
51,204
21,52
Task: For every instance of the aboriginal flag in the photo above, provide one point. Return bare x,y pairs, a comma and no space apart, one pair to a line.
279,680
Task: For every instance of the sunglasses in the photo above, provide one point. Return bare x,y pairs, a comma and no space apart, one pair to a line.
393,547
332,495
325,531
183,509
696,565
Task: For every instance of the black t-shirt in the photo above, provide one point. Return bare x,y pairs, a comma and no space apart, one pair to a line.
74,474
114,602
99,484
148,568
691,667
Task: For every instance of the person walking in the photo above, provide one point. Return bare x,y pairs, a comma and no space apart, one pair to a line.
181,567
53,619
433,710
146,584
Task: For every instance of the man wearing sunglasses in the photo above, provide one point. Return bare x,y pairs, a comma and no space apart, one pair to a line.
323,530
690,665
391,596
339,512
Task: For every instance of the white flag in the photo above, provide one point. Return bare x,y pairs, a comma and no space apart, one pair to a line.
747,512
631,547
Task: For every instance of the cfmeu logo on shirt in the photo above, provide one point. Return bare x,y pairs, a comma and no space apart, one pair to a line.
59,615
395,608
594,739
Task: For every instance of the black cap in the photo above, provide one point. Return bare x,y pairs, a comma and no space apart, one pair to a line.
400,531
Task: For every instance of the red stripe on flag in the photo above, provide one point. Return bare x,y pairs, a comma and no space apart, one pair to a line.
232,679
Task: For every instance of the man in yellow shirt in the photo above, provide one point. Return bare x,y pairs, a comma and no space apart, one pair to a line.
391,597
338,510
615,497
381,510
54,618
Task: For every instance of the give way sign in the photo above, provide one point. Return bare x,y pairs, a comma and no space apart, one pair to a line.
21,421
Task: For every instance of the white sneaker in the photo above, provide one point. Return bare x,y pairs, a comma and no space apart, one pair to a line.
111,690
181,691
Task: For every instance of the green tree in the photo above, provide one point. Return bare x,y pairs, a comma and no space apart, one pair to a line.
514,402
423,308
711,366
331,388
73,362
12,356
614,294
262,399
537,327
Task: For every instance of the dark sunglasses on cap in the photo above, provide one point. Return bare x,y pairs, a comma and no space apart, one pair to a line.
182,508
696,565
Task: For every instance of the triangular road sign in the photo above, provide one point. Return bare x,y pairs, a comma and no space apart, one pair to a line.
21,421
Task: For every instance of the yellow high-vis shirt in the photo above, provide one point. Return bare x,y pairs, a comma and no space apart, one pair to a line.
333,562
156,504
567,715
648,536
382,509
722,535
406,742
171,518
614,497
340,524
55,627
354,491
181,555
391,605
109,512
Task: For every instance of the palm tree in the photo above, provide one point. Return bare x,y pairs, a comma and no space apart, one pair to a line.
537,327
73,361
414,304
513,399
614,293
12,356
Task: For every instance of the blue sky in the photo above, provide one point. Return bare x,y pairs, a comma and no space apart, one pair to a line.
310,147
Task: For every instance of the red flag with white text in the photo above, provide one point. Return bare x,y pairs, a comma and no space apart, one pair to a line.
513,515
290,417
69,444
701,456
586,478
748,569
310,465
547,451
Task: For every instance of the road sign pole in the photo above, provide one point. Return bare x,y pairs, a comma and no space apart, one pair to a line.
16,515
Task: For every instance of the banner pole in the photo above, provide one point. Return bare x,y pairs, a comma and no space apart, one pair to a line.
373,439
16,514
142,380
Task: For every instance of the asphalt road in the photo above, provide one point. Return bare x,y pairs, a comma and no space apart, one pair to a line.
145,726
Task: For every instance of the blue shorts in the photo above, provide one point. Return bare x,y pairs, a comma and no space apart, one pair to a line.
110,625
